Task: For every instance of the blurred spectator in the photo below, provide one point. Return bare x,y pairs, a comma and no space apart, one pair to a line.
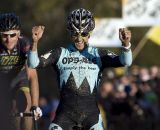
149,101
48,106
144,74
155,79
154,72
106,88
106,91
134,70
149,104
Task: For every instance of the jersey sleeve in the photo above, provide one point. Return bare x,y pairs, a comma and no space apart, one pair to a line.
110,59
49,58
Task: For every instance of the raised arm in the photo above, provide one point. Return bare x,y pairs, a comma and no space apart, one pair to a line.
126,53
37,32
109,59
49,58
33,59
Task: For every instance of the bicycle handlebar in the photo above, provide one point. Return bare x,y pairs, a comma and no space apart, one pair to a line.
23,114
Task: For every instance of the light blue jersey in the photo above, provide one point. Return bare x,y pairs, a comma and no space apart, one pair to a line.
78,73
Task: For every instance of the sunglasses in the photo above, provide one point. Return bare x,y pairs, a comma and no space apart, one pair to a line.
10,35
83,34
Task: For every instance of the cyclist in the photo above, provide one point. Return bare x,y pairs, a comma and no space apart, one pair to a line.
13,56
78,67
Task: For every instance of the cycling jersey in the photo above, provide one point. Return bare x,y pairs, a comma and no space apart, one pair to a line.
16,59
11,64
78,77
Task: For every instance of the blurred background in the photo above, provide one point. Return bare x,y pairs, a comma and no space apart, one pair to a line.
140,16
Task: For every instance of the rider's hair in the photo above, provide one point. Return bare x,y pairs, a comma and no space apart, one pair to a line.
9,21
80,20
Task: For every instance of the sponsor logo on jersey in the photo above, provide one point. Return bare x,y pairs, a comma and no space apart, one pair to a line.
9,60
68,60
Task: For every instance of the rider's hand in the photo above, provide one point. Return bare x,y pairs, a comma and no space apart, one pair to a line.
36,111
125,36
37,32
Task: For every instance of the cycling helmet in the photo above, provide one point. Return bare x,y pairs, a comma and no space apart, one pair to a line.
9,21
80,20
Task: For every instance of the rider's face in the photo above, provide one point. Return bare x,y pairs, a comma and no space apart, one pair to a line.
10,38
80,40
